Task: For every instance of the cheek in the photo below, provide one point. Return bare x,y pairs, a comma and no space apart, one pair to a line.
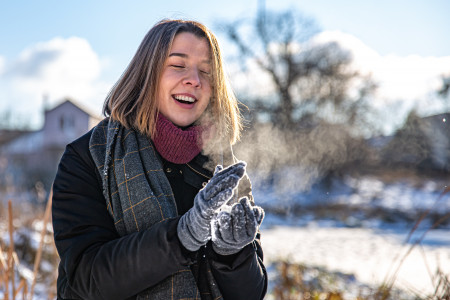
160,97
205,105
208,89
207,93
167,81
164,87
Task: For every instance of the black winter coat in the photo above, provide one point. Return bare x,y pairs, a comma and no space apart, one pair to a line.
96,263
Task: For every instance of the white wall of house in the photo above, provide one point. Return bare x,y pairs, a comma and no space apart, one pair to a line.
65,123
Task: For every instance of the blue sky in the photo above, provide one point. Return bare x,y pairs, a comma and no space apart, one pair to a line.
116,27
108,32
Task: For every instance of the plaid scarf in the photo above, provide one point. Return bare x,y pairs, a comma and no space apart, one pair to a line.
138,195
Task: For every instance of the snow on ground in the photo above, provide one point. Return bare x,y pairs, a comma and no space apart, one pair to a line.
370,254
369,249
406,196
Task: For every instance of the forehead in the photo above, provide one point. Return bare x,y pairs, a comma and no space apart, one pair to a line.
190,45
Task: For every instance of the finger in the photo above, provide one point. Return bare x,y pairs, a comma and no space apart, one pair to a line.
218,169
246,205
230,182
259,214
207,208
238,165
237,210
239,228
237,169
250,221
223,178
226,227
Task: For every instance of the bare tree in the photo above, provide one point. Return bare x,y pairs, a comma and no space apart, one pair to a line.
13,121
309,81
410,145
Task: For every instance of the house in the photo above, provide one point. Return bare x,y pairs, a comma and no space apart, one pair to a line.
34,155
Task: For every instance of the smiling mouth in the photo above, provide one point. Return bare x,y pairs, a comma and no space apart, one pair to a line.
184,99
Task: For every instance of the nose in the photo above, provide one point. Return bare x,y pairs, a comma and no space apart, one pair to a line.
192,77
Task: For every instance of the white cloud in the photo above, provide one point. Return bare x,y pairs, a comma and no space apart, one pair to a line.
57,68
410,78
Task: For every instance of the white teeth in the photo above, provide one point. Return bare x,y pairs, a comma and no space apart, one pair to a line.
184,98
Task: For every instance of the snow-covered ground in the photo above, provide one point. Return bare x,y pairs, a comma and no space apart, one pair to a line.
372,255
371,249
285,189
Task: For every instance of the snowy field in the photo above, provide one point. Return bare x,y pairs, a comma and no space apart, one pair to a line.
371,255
370,249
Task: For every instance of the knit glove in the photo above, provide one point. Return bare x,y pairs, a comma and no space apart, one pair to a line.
194,227
237,228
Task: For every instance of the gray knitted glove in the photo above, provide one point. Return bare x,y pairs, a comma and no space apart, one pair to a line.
233,230
194,227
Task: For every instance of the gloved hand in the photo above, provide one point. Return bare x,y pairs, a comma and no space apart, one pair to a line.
194,227
233,230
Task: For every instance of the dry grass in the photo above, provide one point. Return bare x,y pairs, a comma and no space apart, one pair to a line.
13,282
294,282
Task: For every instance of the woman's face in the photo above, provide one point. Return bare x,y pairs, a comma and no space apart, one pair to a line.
184,89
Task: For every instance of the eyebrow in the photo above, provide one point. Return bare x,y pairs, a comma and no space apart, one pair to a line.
183,55
178,54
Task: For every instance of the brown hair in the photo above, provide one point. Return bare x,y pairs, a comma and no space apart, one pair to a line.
132,100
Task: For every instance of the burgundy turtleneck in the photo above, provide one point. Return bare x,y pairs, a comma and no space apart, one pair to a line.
175,144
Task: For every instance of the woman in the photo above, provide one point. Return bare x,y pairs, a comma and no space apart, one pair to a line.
138,211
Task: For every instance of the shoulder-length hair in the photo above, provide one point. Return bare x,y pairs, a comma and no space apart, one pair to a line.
133,99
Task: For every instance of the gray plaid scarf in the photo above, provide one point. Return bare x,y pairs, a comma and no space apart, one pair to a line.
138,195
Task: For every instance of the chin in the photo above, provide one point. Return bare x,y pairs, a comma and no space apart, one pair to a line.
182,123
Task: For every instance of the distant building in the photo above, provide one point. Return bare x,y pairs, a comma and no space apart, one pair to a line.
35,154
